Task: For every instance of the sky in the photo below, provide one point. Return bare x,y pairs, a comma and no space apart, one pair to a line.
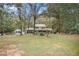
26,8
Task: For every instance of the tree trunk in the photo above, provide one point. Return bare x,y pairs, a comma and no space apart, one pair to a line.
34,24
28,24
21,31
2,31
21,25
59,21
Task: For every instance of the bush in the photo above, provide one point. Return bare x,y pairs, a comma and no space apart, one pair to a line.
42,34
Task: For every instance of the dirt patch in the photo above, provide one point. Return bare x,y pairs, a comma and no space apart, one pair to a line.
11,50
58,45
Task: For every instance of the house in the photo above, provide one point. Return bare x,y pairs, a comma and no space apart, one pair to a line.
39,28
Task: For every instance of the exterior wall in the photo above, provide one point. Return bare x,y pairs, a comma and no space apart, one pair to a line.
39,30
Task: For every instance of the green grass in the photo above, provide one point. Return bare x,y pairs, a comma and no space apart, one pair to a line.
54,44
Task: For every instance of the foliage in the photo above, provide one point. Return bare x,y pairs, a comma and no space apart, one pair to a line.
8,25
68,17
60,17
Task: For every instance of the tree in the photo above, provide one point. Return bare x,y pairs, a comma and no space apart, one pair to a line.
22,19
35,9
54,13
2,12
69,15
66,17
6,23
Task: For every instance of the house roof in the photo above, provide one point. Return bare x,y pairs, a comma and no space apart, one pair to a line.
40,25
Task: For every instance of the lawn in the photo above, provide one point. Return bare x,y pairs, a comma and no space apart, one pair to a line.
54,44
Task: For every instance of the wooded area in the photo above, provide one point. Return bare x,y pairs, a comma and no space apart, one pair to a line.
62,18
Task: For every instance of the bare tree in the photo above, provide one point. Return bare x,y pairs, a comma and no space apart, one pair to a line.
19,8
35,9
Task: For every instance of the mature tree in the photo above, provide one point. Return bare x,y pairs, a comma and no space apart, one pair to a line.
19,10
66,15
6,23
2,12
69,16
54,16
22,18
35,9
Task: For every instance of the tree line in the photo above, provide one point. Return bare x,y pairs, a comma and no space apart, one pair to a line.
62,18
67,16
